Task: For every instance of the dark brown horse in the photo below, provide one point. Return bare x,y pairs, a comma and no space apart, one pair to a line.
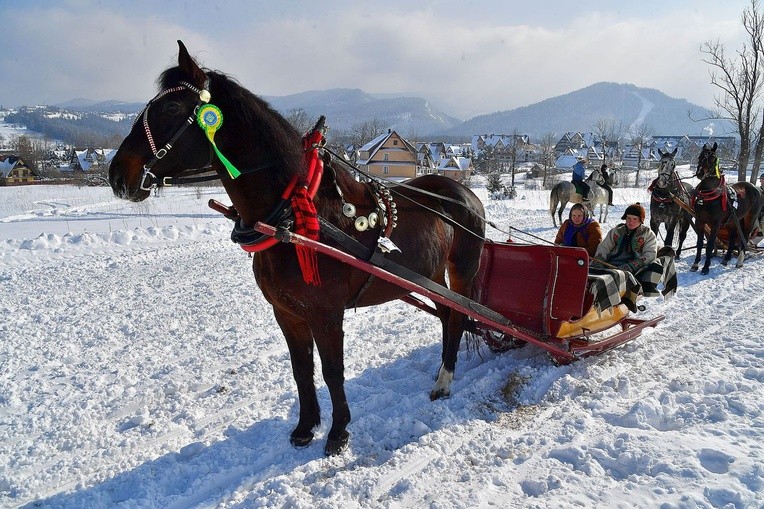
267,151
716,208
663,207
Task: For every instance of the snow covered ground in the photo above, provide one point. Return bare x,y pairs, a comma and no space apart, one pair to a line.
141,367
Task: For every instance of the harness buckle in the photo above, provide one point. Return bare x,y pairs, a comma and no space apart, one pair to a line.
167,182
161,153
148,177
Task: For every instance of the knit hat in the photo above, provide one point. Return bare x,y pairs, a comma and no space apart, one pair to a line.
635,210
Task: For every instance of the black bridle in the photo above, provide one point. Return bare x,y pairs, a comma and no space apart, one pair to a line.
149,180
708,162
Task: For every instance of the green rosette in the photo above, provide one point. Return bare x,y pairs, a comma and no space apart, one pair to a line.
210,118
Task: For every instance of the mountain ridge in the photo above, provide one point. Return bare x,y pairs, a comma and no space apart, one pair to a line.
417,118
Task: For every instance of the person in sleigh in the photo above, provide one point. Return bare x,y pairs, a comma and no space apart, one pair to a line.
579,230
632,247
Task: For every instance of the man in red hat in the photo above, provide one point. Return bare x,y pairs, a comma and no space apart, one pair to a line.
630,246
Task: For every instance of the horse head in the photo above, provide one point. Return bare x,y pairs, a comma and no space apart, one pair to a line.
177,132
597,177
666,168
708,162
163,139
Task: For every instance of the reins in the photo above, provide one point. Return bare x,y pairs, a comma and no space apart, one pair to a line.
392,187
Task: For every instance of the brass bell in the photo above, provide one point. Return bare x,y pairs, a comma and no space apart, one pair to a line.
373,219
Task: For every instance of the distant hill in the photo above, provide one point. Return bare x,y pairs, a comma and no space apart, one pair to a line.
414,117
88,106
582,109
346,107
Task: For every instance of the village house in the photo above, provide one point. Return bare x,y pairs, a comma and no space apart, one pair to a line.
13,171
90,159
388,155
456,167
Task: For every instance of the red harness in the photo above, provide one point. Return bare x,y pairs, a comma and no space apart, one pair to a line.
306,217
713,194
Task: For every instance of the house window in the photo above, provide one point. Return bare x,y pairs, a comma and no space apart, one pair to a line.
387,157
395,142
385,170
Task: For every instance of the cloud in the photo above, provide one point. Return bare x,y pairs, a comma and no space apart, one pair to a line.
58,55
474,59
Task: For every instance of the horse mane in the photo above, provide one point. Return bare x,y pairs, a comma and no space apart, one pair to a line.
265,127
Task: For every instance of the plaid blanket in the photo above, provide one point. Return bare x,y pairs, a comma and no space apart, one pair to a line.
662,270
611,287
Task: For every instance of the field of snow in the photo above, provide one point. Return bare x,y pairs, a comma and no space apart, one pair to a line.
141,367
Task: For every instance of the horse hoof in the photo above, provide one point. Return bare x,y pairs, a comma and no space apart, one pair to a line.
337,445
300,441
439,393
694,268
725,262
738,265
704,272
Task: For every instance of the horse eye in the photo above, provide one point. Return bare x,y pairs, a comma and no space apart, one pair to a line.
172,108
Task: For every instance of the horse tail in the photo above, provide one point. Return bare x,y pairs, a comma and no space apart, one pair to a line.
553,201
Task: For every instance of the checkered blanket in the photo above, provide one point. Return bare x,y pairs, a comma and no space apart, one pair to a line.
662,270
611,287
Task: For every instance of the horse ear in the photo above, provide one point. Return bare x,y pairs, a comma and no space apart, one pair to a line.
660,152
714,148
674,152
189,66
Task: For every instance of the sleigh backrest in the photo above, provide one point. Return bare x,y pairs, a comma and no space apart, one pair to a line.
536,287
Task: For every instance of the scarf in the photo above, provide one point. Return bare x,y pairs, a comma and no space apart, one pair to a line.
625,252
569,235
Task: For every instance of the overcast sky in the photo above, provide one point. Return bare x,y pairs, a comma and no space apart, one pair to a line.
468,57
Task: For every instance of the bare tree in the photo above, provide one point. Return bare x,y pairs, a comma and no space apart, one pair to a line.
364,132
639,136
514,143
610,133
31,150
300,120
739,80
548,142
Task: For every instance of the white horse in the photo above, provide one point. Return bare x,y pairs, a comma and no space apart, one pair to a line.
565,192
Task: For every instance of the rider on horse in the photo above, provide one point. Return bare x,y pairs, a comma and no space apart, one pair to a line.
579,173
606,183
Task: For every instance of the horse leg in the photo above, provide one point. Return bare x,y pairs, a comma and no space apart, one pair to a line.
553,207
654,225
740,255
300,343
670,234
453,324
684,225
563,204
710,249
700,230
330,342
731,242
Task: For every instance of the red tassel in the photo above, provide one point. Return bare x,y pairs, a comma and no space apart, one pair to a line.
306,224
